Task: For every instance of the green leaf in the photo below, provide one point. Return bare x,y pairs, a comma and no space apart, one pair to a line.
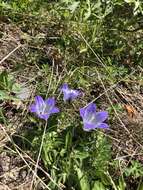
6,81
4,95
98,186
80,154
73,6
140,186
3,80
129,1
105,179
122,184
136,169
68,140
83,180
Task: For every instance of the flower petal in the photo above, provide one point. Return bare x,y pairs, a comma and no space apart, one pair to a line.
91,107
55,110
90,111
44,116
69,94
39,100
101,116
33,108
82,112
103,126
89,127
74,94
66,96
50,102
64,87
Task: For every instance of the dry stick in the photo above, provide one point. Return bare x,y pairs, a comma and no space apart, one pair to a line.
40,150
33,163
58,82
106,91
7,56
116,111
98,58
31,169
129,155
6,186
45,124
52,74
141,68
39,167
124,96
111,180
21,155
15,170
132,156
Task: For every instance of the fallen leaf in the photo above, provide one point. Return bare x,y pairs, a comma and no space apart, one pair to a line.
130,110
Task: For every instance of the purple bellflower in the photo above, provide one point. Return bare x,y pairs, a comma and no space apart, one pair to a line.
69,94
93,119
44,108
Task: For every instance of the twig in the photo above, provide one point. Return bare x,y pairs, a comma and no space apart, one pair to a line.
7,56
40,150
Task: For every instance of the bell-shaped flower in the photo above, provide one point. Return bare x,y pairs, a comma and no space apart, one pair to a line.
69,94
44,108
93,119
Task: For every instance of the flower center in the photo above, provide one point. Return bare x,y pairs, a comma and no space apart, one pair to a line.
43,109
91,118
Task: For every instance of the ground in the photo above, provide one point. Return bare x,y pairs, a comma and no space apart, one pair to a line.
37,55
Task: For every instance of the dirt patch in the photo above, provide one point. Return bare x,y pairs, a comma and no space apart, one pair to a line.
13,173
128,125
10,46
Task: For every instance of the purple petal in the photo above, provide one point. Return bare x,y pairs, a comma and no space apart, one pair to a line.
39,100
74,94
66,96
82,112
44,109
70,94
50,102
64,87
103,126
90,109
44,116
33,108
101,116
55,110
88,127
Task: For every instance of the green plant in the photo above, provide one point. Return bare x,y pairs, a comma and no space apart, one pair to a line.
135,169
77,42
9,89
